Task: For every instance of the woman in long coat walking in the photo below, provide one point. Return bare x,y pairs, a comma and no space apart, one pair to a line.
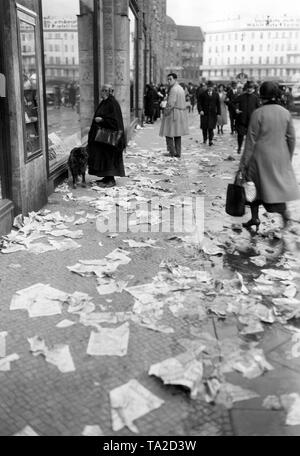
267,157
106,160
222,118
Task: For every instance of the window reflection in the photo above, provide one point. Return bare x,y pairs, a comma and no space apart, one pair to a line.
30,89
133,62
61,53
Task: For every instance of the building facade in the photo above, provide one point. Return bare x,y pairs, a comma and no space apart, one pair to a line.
184,51
260,48
51,73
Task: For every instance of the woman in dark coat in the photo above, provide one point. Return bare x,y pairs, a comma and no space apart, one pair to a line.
267,157
104,159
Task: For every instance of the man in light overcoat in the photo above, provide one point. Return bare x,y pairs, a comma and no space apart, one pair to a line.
175,121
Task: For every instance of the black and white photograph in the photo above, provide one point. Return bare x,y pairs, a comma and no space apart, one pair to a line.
149,222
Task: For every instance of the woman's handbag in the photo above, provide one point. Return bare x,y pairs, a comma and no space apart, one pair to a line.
106,136
235,198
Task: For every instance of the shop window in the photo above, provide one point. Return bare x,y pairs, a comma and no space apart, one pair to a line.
29,83
62,85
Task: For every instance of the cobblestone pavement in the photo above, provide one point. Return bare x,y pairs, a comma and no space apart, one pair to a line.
37,394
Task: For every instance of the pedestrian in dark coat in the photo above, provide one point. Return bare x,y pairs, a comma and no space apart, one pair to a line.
245,104
104,159
150,98
230,100
267,157
209,109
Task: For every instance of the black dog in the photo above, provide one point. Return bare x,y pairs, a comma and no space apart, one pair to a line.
77,163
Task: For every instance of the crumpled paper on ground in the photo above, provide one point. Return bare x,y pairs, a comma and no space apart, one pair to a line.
59,354
5,362
291,403
92,431
3,335
39,300
109,341
251,363
130,402
229,393
26,432
182,370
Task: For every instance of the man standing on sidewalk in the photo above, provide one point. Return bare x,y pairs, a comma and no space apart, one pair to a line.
245,104
174,122
209,109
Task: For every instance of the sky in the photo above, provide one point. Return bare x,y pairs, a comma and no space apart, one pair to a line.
198,12
60,7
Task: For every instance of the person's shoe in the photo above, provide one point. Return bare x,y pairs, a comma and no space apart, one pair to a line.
239,151
252,222
111,183
211,143
205,141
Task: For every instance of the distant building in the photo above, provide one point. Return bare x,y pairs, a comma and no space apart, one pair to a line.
184,46
260,48
61,49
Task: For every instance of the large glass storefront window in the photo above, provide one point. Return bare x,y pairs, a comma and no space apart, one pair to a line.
133,63
29,71
2,96
61,53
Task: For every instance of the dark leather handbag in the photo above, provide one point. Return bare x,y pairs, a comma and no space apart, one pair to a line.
106,136
235,198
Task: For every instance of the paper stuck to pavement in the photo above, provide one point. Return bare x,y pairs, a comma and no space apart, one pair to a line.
130,402
109,341
183,370
5,362
59,355
3,335
65,323
26,432
92,431
291,403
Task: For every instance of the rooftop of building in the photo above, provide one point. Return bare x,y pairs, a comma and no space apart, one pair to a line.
189,33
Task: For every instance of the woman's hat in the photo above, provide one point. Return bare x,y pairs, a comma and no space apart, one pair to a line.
268,90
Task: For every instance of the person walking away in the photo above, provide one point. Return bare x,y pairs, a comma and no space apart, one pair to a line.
222,118
267,157
106,160
174,123
230,100
209,108
149,104
245,104
72,95
192,93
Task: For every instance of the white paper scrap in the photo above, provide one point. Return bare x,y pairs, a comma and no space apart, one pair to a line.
291,403
109,341
61,357
130,402
26,432
92,431
65,323
5,362
183,370
3,335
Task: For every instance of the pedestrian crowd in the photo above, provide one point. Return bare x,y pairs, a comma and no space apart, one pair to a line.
258,115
